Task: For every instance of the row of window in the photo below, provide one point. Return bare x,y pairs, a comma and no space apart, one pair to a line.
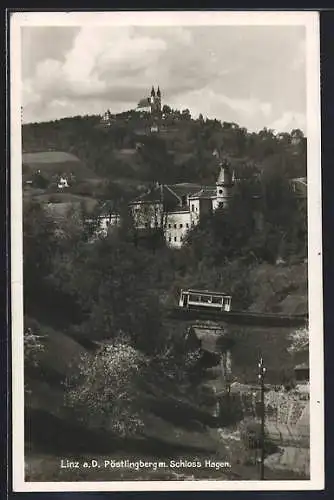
207,299
174,239
181,225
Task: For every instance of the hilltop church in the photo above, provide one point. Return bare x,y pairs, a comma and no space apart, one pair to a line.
150,104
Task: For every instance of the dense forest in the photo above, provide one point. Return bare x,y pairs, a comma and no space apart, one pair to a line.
119,288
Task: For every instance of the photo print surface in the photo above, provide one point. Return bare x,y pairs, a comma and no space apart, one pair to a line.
166,251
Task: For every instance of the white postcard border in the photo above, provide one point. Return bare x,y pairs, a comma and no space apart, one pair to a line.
311,22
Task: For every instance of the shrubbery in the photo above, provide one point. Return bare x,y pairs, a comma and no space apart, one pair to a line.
103,394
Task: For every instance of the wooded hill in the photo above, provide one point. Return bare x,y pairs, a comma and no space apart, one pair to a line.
182,151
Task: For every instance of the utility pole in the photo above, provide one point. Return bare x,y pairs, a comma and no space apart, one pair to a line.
261,374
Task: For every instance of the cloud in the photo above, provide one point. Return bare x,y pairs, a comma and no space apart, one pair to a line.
289,121
250,113
250,75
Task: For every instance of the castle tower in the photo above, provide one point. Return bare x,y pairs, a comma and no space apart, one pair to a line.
224,185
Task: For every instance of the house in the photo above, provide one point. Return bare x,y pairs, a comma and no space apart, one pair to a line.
107,119
62,183
299,187
302,372
106,220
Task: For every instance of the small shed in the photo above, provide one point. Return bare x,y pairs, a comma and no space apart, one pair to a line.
214,343
302,372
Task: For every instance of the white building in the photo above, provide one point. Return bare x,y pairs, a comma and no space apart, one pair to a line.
176,208
63,183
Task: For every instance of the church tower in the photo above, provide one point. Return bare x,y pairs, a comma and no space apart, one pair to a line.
152,100
158,100
155,102
224,185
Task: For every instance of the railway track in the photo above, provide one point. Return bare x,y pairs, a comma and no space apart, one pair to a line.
238,317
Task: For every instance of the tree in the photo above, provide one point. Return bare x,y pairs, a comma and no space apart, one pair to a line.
103,392
166,109
39,180
186,114
114,284
39,243
297,134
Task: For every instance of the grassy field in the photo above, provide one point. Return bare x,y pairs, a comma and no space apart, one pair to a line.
52,163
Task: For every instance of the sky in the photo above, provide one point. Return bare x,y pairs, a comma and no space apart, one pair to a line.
254,76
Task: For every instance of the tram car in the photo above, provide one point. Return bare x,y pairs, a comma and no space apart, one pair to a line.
203,299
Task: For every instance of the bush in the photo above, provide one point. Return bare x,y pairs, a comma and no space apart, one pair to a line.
33,346
102,394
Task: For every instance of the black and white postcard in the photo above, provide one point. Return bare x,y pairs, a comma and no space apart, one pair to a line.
166,256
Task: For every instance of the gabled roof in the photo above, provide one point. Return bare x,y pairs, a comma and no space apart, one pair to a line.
299,186
184,188
206,192
225,175
161,193
61,210
302,366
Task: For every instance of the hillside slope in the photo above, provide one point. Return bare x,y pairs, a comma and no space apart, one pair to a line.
180,152
280,288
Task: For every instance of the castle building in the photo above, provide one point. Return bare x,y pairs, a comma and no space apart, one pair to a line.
177,208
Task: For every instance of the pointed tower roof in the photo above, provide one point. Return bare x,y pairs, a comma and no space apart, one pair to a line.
225,176
221,176
152,91
158,92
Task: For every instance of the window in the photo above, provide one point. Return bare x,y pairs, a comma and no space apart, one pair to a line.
220,191
194,298
146,224
181,226
192,222
169,226
187,225
175,238
217,300
174,226
193,208
169,239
